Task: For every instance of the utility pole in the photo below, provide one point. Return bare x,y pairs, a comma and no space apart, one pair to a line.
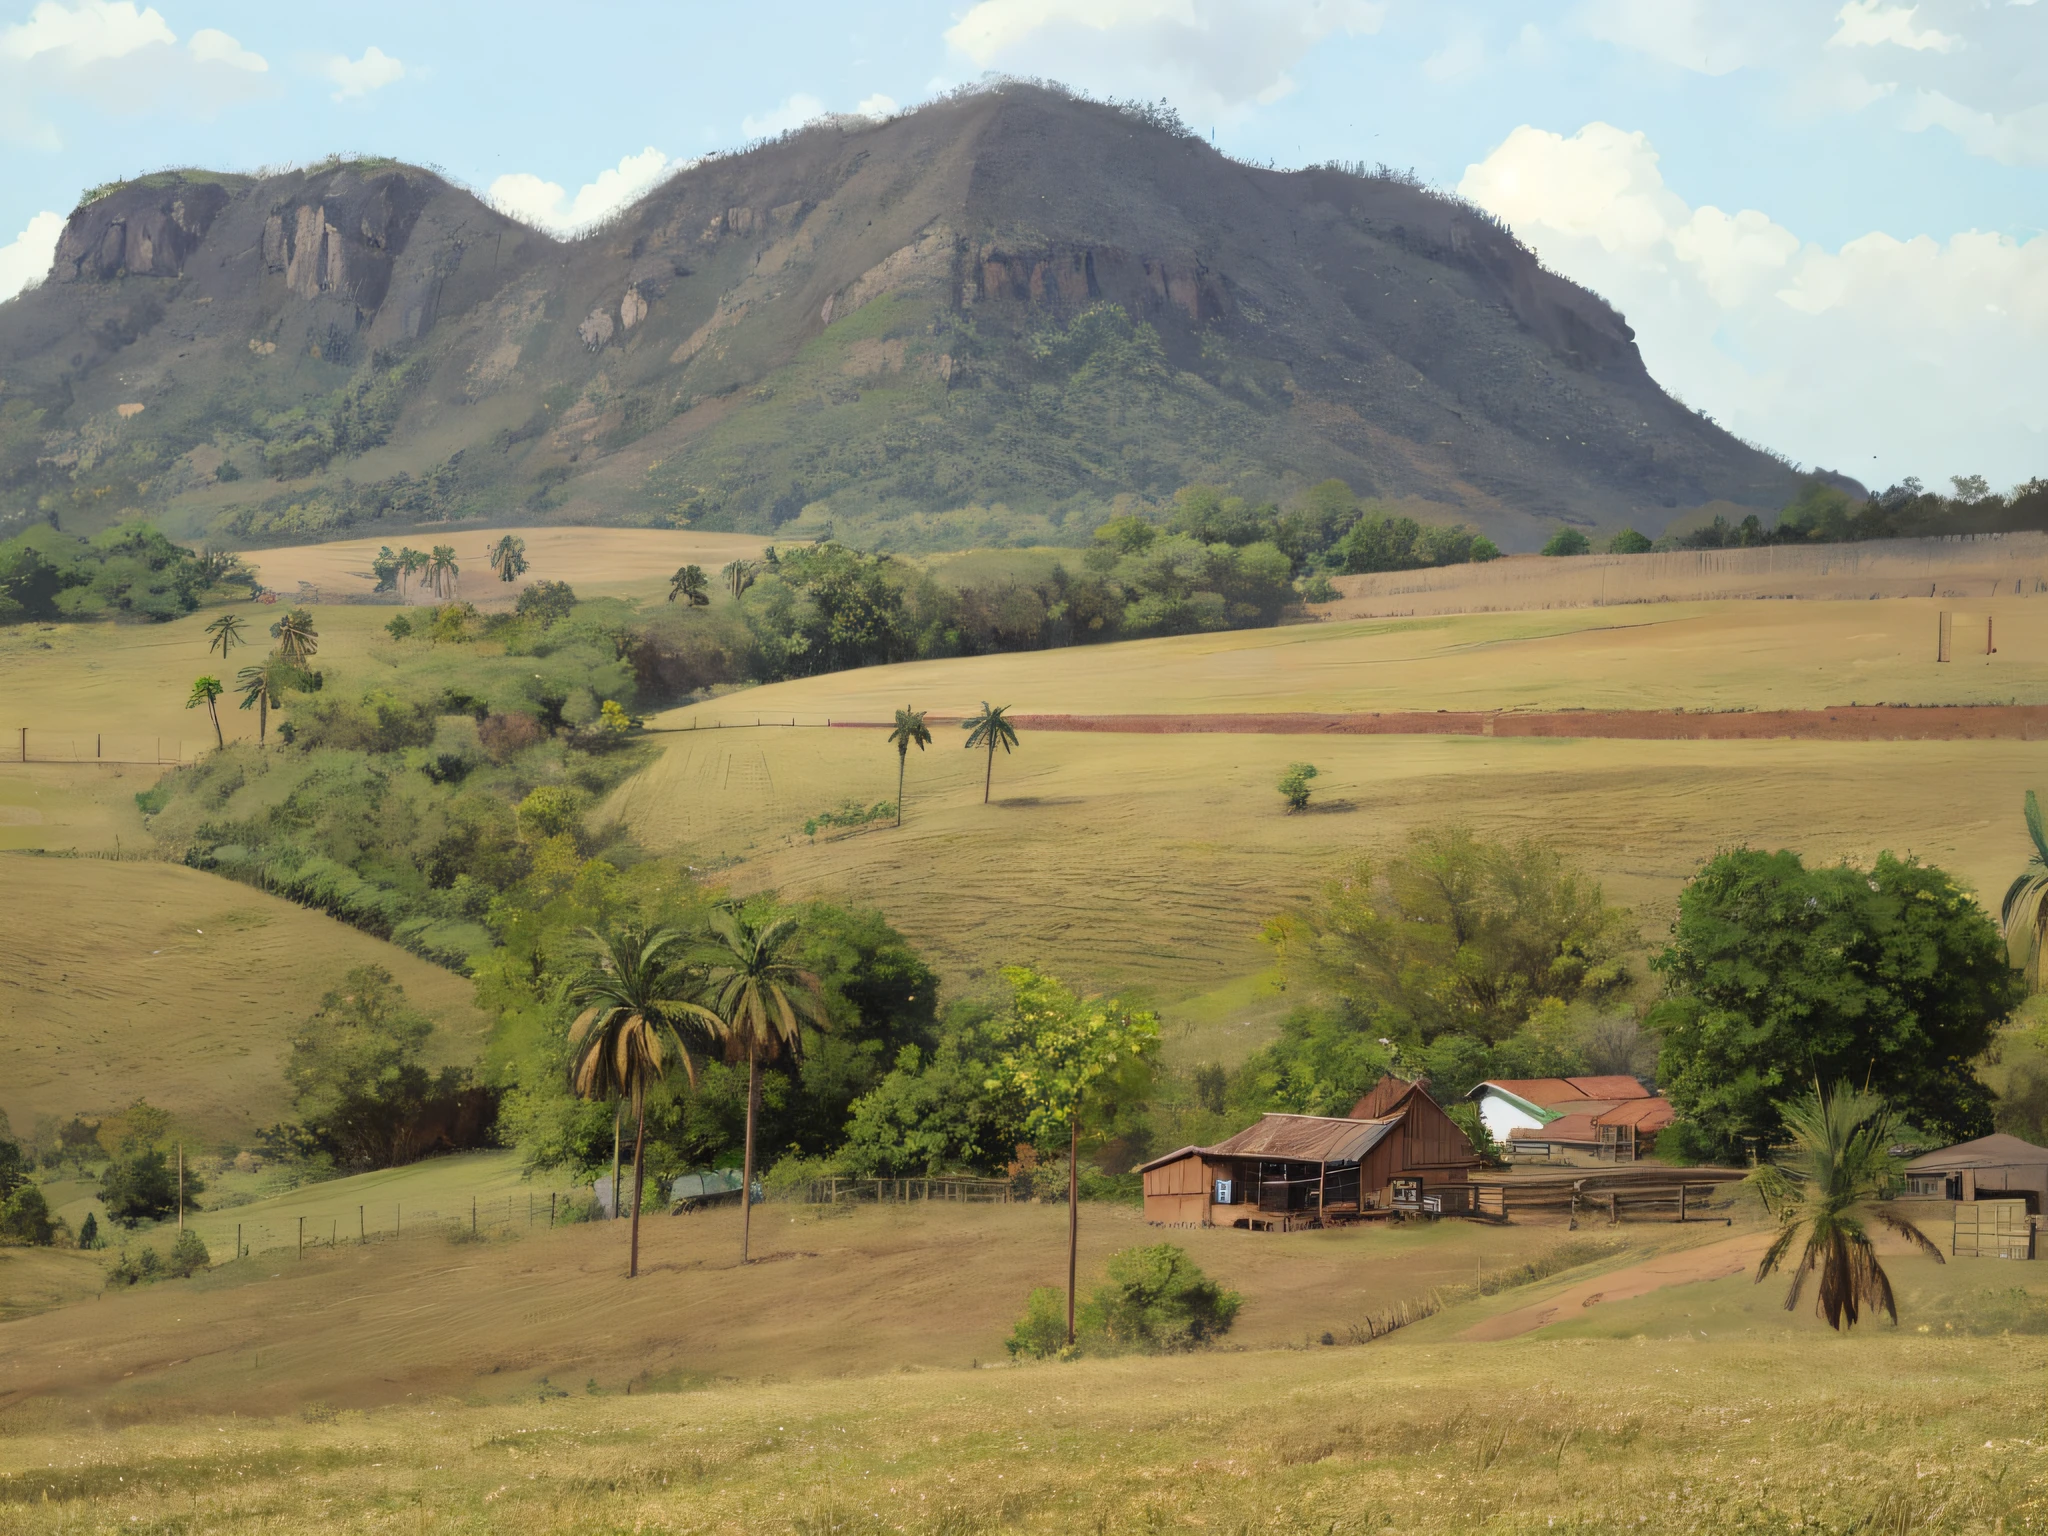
181,1186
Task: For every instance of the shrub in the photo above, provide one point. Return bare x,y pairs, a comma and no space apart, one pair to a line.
1629,542
26,1218
547,602
89,1233
1568,541
1157,1302
504,737
549,811
135,1269
1484,549
1319,589
400,627
141,1184
1294,785
188,1255
1042,1331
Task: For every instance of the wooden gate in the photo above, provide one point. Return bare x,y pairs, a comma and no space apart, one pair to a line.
1993,1229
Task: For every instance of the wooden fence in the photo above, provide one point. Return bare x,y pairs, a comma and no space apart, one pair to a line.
33,745
1992,1229
837,1191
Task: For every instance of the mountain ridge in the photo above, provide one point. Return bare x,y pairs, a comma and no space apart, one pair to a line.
997,318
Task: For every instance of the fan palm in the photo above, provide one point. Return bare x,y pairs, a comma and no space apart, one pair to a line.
297,639
442,570
910,728
763,999
207,691
691,583
507,557
991,730
739,575
633,1013
411,563
2026,900
227,634
262,688
1840,1164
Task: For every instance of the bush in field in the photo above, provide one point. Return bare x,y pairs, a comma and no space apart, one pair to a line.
357,1079
1628,542
1041,1332
1568,541
25,1218
1157,1302
188,1255
135,1268
549,811
1294,784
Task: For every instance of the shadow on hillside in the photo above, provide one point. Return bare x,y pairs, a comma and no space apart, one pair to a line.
1023,802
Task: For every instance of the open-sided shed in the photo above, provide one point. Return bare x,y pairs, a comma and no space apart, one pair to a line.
1292,1170
1990,1168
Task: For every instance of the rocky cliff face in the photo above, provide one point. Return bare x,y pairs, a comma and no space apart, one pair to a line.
1009,300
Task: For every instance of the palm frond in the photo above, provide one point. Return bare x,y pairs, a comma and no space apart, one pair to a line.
1775,1254
1906,1229
2037,828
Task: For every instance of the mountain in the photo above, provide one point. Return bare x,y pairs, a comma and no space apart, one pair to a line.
983,321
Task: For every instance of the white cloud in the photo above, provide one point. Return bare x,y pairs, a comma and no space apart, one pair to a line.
527,197
1708,37
878,105
1884,358
122,58
793,113
1870,23
1210,56
354,79
26,260
2017,138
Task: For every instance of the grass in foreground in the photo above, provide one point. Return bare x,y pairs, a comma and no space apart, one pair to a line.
1877,1433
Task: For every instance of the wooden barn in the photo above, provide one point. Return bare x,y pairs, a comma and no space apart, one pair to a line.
1396,1150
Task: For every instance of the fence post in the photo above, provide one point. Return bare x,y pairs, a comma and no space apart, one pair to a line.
362,1226
398,1219
302,1237
472,1213
553,1195
238,1239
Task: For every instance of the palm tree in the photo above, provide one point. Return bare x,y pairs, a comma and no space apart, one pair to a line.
411,562
442,570
262,686
763,998
690,582
297,639
989,729
739,576
1840,1163
2026,900
507,557
227,633
910,728
631,1016
206,690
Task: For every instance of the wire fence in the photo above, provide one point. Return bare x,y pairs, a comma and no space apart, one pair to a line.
480,1217
838,1191
32,744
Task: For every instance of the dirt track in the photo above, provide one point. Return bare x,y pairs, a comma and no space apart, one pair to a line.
1716,1261
1848,722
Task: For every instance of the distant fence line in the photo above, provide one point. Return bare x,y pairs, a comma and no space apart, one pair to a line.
34,745
332,1228
843,1191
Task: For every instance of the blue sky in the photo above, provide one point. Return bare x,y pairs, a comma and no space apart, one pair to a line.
1824,219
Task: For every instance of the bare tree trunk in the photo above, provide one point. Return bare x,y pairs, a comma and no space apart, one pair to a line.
618,1116
263,717
1073,1210
747,1173
902,762
213,709
639,1177
989,778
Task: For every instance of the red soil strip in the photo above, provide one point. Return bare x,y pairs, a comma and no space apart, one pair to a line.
1717,1261
1848,722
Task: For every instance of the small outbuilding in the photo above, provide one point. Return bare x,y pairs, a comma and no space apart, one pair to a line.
1396,1150
1566,1119
1990,1168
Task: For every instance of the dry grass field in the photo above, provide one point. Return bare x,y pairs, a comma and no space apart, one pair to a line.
130,979
597,562
846,1385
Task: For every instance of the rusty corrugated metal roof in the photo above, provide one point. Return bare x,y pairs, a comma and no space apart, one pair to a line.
1307,1138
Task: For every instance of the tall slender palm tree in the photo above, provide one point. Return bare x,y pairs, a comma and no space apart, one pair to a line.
634,1009
227,634
910,727
297,639
262,688
763,998
2026,900
691,583
739,575
207,691
1840,1165
412,564
507,557
991,730
442,570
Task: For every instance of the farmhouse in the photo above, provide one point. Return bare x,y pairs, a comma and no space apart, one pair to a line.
1989,1168
1569,1119
1396,1150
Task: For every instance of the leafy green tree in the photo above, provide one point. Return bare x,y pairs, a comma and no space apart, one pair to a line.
763,996
508,558
29,583
297,640
690,584
140,1182
1043,1331
14,1162
1629,542
1778,975
226,632
207,691
89,1233
990,729
358,1075
1157,1302
910,730
1065,1058
188,1255
932,1114
1568,541
25,1218
1294,785
387,568
549,602
1838,1169
634,1008
2024,913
